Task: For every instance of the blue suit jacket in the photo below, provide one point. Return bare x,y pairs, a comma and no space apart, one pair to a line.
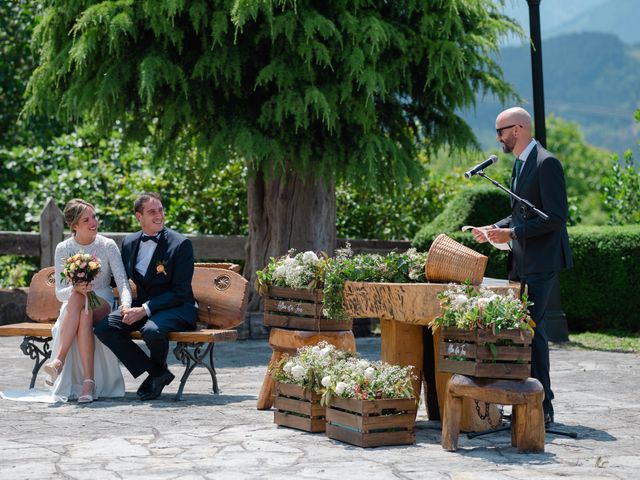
542,183
167,282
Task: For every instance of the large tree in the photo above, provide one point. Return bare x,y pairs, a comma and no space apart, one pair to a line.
304,91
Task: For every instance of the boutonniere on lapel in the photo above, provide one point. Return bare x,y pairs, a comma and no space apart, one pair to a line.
161,268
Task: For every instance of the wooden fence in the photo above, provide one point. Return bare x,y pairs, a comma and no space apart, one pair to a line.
206,247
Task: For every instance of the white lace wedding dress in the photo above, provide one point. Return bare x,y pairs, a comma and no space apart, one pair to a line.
107,374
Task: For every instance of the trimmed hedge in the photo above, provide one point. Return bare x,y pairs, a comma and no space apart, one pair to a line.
600,292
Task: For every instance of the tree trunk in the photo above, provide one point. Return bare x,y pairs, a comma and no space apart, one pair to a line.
287,211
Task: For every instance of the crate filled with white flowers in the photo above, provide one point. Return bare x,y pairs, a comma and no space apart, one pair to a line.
370,404
484,334
301,380
293,297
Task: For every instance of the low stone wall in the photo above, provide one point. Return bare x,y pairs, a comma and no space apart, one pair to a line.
13,305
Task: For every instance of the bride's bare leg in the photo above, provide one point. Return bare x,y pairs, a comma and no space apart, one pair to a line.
69,325
86,342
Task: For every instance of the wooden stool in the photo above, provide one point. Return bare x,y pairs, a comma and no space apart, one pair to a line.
288,341
527,417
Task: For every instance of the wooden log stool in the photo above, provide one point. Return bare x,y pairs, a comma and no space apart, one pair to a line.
288,341
527,417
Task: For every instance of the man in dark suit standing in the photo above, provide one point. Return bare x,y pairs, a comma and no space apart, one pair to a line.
540,248
160,263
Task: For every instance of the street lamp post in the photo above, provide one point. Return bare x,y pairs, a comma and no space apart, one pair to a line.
557,327
536,71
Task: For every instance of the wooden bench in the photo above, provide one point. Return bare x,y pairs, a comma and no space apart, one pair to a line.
221,294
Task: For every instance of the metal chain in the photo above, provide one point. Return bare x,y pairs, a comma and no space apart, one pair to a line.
487,414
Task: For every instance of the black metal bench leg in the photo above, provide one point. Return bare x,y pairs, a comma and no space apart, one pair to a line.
29,347
191,355
212,372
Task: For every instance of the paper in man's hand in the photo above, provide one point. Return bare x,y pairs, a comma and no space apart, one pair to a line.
499,246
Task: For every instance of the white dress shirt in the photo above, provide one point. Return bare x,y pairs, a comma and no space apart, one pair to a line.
145,254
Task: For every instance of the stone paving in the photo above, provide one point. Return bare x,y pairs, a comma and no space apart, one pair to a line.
223,436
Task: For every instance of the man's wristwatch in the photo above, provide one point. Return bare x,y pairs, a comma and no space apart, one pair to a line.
513,234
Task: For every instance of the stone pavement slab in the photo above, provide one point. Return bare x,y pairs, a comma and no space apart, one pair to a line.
208,436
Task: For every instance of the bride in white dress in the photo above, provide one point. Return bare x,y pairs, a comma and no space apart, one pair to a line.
82,367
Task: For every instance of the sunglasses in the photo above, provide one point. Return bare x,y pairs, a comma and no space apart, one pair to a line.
499,130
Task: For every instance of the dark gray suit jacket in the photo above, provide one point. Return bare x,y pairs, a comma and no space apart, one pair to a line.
542,183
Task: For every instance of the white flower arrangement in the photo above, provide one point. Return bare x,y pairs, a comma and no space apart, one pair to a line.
466,307
310,366
304,270
324,369
365,380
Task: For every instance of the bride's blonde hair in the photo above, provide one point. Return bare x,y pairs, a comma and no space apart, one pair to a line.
73,210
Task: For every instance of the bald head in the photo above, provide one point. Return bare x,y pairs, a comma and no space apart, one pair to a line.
517,115
513,127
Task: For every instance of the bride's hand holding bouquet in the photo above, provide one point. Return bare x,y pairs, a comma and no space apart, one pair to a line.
80,270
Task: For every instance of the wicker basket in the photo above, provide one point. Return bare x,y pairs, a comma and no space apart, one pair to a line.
450,261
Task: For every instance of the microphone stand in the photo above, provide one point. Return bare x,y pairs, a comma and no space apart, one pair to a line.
527,210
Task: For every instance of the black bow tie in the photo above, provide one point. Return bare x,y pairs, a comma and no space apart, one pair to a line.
147,237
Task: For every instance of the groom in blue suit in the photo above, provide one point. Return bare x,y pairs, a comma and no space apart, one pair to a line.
160,263
537,176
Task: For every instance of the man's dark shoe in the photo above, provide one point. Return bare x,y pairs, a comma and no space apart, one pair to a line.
144,386
548,420
157,384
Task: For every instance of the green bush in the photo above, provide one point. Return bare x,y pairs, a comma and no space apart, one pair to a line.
601,292
479,205
16,271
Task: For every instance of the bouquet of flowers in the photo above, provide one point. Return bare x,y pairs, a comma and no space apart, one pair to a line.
467,308
82,268
294,270
365,380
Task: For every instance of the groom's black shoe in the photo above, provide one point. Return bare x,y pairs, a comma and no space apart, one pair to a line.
157,384
144,386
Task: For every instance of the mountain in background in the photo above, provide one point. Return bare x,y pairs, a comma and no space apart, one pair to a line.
618,17
561,17
589,78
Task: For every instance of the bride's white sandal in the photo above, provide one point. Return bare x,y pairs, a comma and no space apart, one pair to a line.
53,369
90,397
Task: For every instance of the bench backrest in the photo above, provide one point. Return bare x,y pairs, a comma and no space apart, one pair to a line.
221,294
234,267
42,303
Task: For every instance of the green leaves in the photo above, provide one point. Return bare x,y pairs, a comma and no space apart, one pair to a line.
341,89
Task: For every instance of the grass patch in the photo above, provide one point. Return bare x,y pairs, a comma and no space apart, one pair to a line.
607,341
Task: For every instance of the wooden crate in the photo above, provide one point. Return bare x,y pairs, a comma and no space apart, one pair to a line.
298,310
466,352
298,408
372,423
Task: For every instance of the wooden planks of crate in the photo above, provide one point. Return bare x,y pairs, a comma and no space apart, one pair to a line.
299,309
298,408
372,423
468,352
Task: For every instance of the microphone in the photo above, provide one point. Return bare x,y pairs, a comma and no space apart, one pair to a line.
481,166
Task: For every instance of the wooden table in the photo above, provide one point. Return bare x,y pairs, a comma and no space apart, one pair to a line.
404,310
